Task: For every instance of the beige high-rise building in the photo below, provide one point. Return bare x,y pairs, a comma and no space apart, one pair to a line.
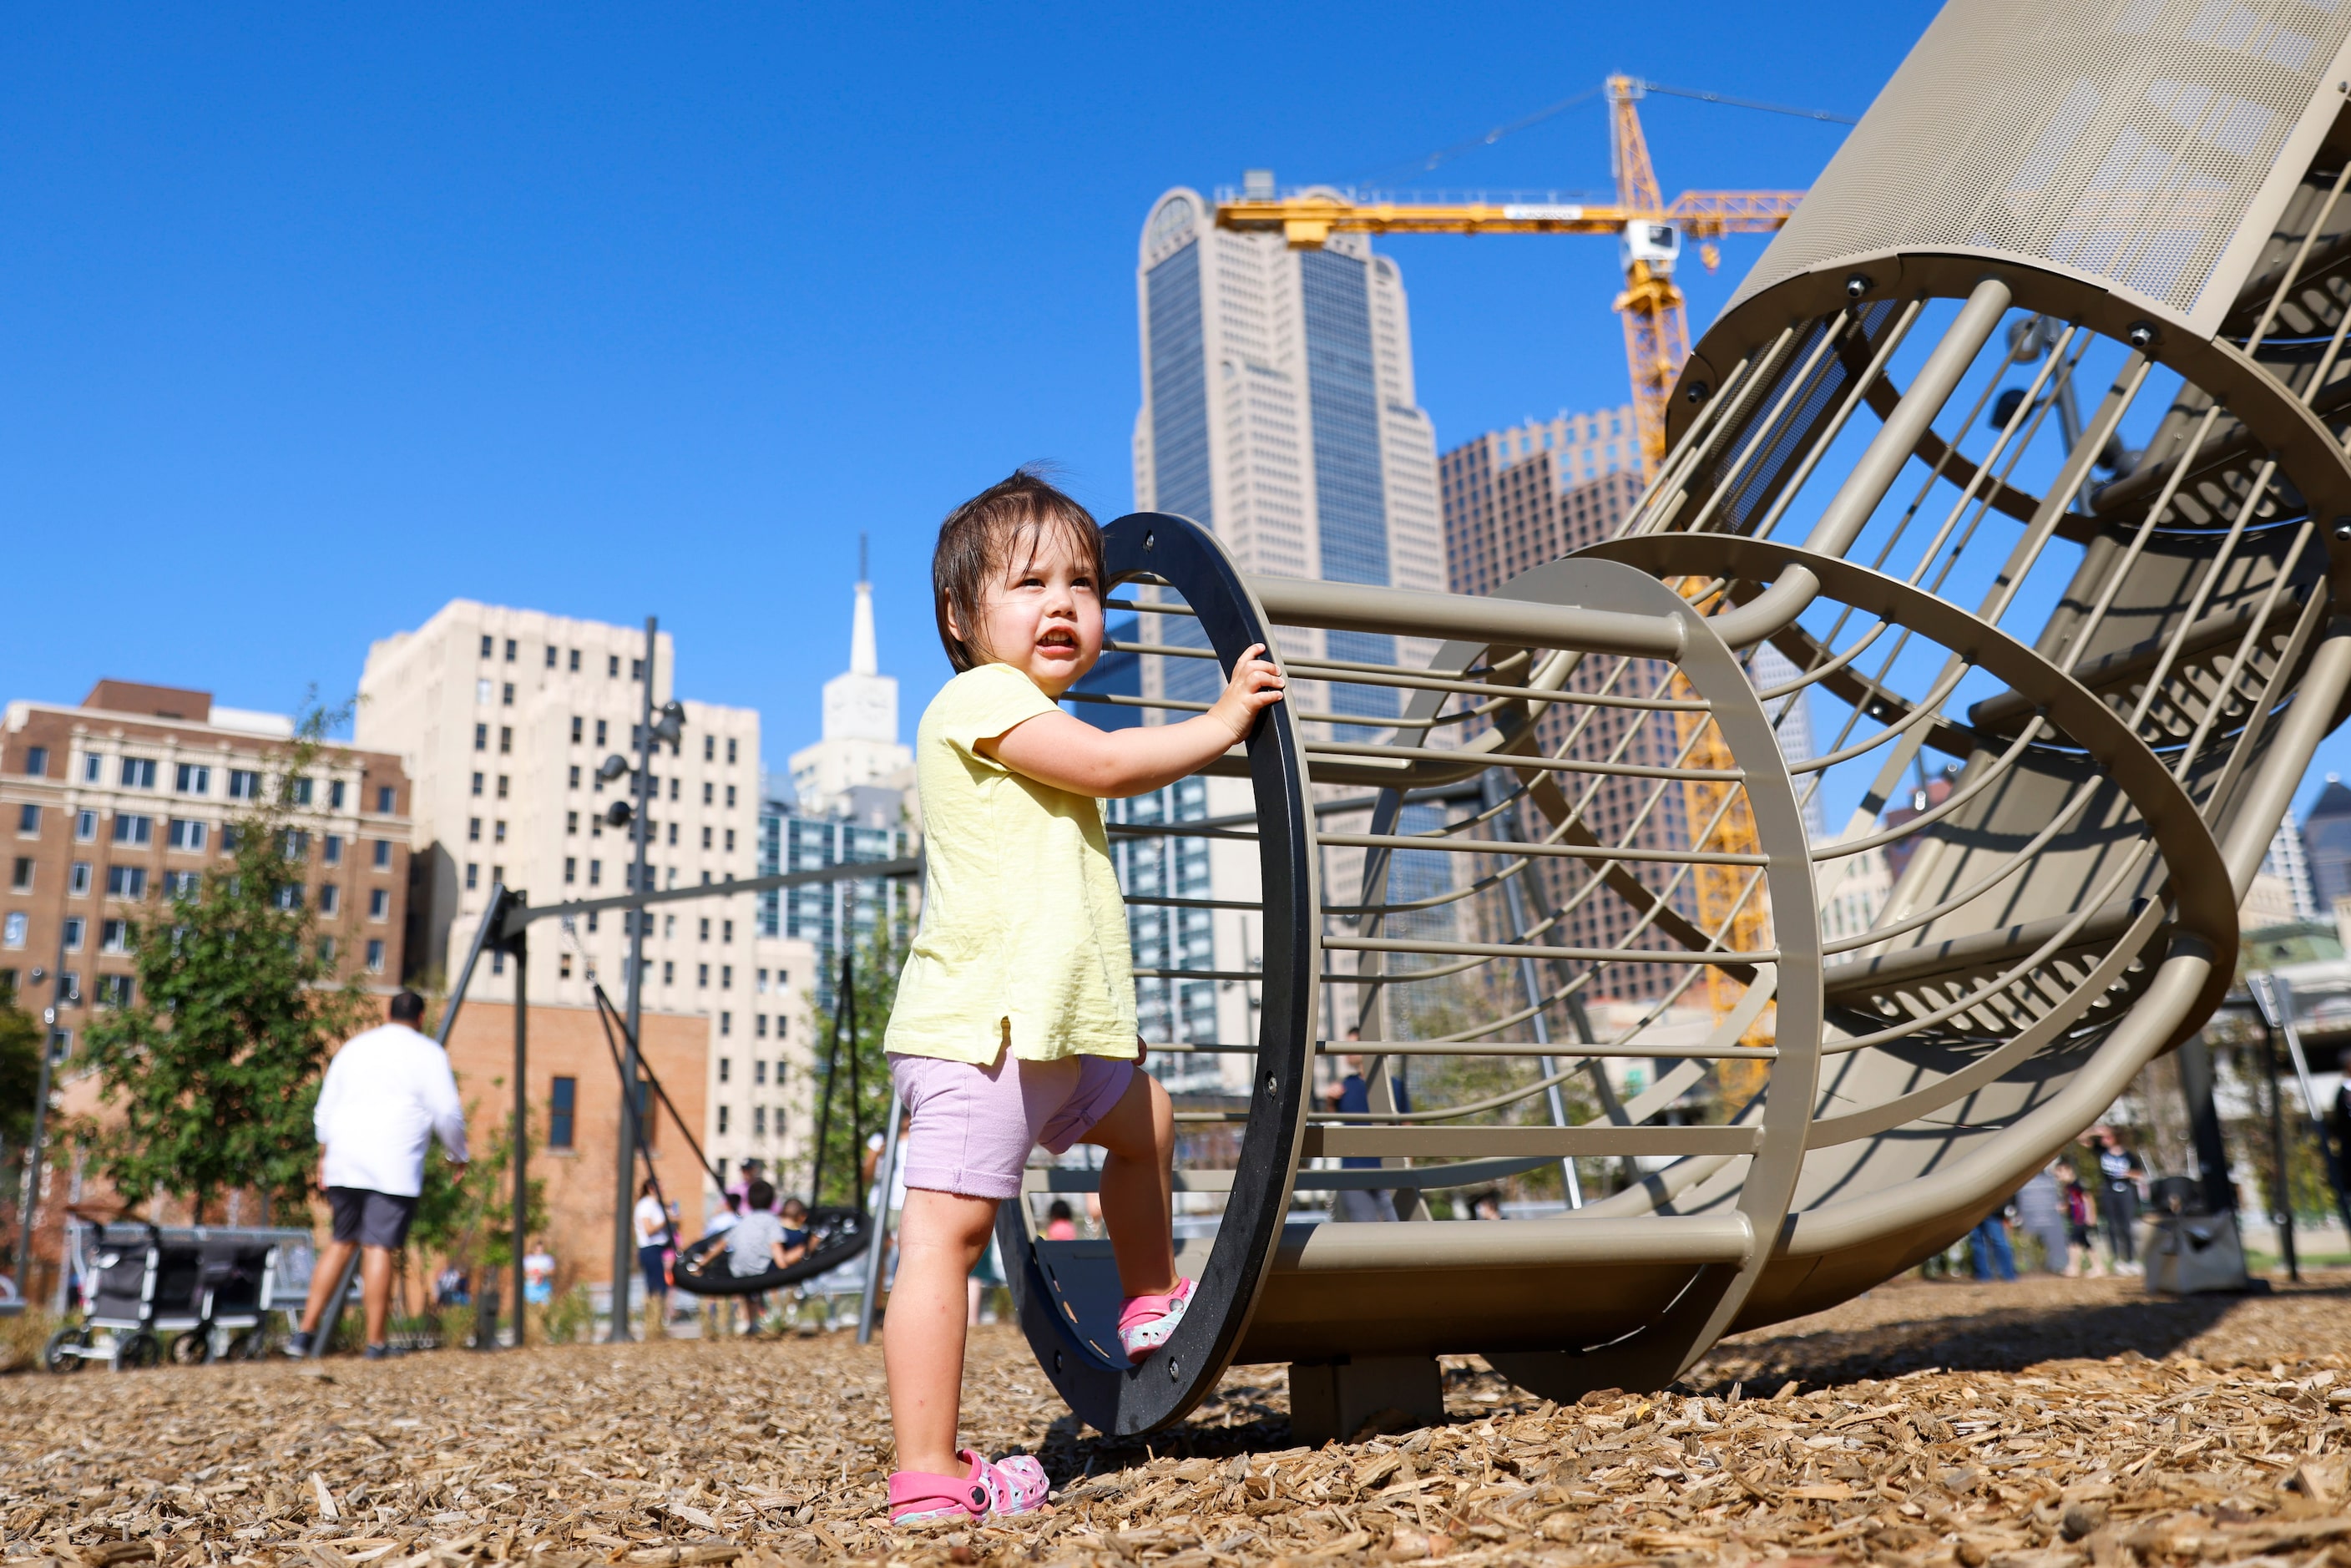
502,716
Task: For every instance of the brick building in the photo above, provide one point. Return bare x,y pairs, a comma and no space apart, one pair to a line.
109,807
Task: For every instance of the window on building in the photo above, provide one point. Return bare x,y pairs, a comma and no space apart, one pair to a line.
563,966
503,781
669,972
759,1073
562,1105
473,876
730,756
387,799
498,831
726,931
71,936
183,883
709,793
326,949
375,955
481,738
379,903
570,870
612,665
730,790
506,740
636,669
12,928
595,873
289,896
599,732
137,773
723,1120
85,827
299,790
759,1025
759,1120
575,661
673,788
578,725
21,879
132,829
114,990
725,977
482,689
575,776
505,696
550,655
498,873
294,845
705,934
759,982
228,838
36,762
114,936
730,841
571,823
383,854
780,1026
69,987
192,779
725,1023
331,898
28,820
126,882
335,796
702,976
331,849
244,784
489,646
93,769
479,780
185,833
473,829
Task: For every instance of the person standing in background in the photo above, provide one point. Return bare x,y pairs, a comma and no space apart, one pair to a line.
388,1092
2040,1207
652,1227
2081,1248
2119,1170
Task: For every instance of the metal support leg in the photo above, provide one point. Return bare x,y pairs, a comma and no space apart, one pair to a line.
886,1179
521,949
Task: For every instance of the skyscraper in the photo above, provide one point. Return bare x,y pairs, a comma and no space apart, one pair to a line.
2327,843
1278,411
859,747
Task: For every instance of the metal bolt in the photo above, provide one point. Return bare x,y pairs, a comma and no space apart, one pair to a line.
1149,540
2342,530
1856,286
1056,1361
1273,1084
1173,1370
2141,335
1697,392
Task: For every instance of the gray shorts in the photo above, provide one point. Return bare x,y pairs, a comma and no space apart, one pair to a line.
371,1219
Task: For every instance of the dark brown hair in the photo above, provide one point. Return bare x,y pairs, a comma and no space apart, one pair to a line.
980,536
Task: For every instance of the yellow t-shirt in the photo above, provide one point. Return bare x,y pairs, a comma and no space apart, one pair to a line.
1023,929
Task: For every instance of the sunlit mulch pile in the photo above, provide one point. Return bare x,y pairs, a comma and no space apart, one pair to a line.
2036,1426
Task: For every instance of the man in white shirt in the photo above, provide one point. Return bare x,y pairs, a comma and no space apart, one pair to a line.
387,1093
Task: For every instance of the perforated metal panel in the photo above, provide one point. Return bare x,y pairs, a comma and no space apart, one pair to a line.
2129,140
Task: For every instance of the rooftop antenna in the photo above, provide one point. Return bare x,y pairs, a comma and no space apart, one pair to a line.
862,575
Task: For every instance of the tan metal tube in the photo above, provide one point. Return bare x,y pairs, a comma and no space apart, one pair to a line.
1353,607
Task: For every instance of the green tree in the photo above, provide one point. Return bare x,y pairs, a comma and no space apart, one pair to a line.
20,1074
875,971
213,1069
466,1213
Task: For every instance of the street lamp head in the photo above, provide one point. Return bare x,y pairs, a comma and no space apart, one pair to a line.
612,768
618,813
671,723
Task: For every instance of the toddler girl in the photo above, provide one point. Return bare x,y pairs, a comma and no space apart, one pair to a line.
1014,1024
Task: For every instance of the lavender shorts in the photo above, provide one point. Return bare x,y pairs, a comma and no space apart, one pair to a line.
973,1126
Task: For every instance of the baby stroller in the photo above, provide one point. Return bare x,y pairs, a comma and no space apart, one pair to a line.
210,1289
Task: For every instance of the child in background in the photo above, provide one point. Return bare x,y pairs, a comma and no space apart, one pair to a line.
1061,1221
1014,1023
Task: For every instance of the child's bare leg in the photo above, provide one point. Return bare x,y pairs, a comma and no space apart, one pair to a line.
939,1239
1138,1186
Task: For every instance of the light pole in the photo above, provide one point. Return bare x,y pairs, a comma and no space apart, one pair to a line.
625,1252
29,1194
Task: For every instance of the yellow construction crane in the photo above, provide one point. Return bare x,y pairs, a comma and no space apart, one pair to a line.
1649,230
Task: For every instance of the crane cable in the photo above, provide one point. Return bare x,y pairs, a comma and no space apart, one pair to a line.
1446,154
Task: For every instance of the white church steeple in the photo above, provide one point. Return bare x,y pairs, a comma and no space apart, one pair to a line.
860,719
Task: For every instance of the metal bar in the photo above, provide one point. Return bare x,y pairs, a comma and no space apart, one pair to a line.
848,871
1563,852
520,1134
1514,759
1431,947
1353,607
1549,1143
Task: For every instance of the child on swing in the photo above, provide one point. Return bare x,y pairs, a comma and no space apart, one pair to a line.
1014,1023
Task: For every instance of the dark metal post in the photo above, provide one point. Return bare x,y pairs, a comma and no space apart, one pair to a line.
520,946
2204,1126
2281,1189
625,1252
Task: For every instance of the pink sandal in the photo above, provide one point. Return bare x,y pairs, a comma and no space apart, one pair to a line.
1015,1485
1147,1323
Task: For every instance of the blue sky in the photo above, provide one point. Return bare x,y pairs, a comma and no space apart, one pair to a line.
314,319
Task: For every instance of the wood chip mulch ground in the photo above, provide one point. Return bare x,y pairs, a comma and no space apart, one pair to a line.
2044,1424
